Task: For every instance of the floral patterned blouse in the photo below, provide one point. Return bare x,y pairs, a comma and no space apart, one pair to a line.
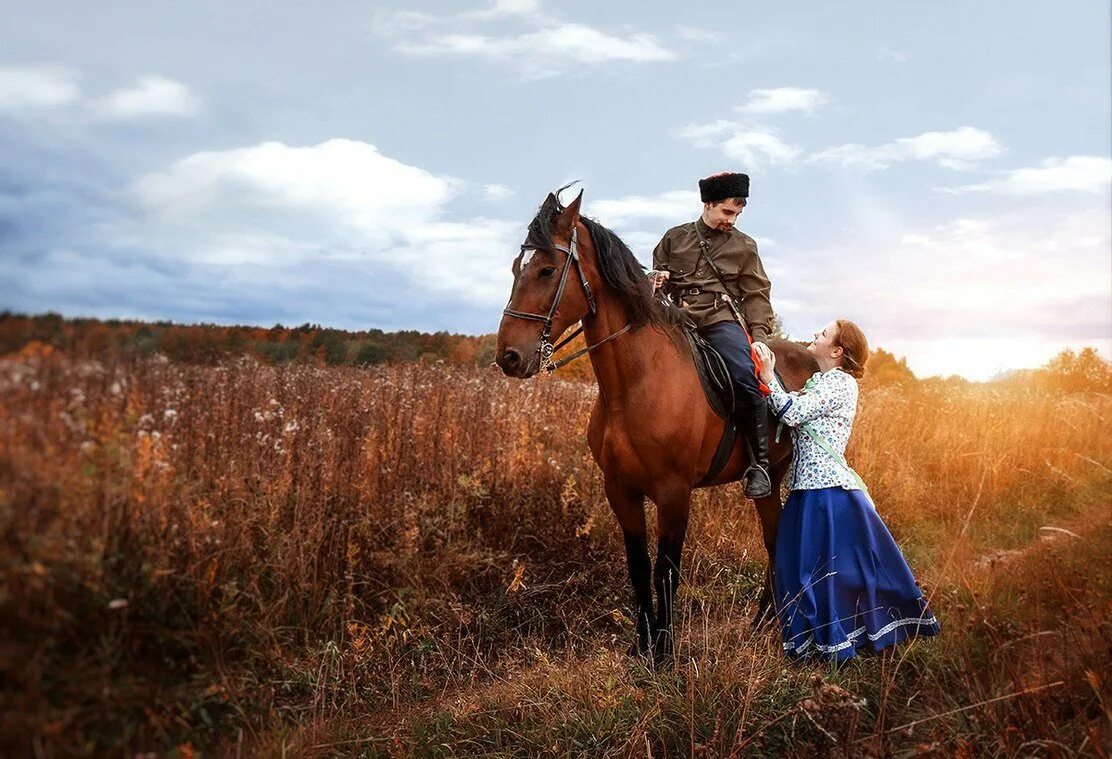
828,405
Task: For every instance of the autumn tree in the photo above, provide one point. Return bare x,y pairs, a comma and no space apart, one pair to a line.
1083,372
883,368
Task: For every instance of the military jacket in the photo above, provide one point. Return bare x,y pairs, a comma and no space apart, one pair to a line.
694,285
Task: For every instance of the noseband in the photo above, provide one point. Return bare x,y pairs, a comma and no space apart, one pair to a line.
546,349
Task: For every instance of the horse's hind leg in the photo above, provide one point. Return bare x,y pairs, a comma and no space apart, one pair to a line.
672,514
768,509
629,507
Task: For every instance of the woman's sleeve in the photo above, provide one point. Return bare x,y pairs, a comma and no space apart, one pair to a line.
824,399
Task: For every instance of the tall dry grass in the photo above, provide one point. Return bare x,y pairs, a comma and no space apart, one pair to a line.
272,559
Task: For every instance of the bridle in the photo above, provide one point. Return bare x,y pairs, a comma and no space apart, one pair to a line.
546,349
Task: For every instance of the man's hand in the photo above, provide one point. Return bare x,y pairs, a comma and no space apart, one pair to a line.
768,361
658,278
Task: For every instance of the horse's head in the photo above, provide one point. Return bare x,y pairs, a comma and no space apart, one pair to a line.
550,291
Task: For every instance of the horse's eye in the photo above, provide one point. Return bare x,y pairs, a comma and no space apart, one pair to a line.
548,271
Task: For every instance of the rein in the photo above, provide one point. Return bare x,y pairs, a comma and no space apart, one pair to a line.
546,349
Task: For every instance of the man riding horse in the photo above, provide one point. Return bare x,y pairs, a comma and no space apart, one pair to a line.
711,269
653,431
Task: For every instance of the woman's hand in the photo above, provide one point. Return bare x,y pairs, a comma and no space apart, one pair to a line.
768,362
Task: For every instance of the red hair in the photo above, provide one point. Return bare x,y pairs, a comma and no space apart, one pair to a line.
855,348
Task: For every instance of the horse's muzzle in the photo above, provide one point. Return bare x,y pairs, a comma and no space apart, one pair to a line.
516,364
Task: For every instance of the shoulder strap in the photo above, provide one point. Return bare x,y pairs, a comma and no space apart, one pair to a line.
839,458
704,251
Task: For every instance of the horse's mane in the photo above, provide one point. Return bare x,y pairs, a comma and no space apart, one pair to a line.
619,267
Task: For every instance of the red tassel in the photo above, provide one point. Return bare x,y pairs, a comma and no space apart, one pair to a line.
765,389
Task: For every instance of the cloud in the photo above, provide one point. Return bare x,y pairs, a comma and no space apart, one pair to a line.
748,140
25,88
1091,174
150,96
984,285
694,34
783,99
674,206
756,147
41,88
544,47
888,53
275,205
498,9
496,192
751,145
958,149
538,52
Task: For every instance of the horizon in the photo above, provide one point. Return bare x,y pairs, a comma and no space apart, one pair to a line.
378,166
1003,374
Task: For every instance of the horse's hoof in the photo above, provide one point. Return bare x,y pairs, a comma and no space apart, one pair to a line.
663,649
638,650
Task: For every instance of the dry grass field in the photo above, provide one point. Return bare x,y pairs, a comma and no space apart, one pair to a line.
245,559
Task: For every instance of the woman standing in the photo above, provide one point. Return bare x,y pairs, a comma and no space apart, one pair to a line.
842,586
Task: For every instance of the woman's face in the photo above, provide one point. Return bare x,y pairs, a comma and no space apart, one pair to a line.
824,348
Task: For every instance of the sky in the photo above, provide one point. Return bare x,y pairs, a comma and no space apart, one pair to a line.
939,173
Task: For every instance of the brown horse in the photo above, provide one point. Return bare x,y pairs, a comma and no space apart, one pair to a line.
652,431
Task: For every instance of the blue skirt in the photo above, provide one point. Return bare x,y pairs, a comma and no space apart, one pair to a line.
842,585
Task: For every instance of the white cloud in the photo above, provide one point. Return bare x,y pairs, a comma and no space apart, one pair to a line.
783,99
755,147
272,204
889,53
150,96
958,149
496,192
752,146
1077,173
24,88
541,46
966,296
750,141
538,52
506,8
673,206
696,34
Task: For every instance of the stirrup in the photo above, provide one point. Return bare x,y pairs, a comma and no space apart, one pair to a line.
749,478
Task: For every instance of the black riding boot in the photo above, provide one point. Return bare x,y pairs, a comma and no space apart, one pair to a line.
755,427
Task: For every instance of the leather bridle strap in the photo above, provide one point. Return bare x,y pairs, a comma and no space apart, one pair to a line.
568,359
546,348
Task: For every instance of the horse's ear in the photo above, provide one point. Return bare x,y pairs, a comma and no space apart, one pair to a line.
569,216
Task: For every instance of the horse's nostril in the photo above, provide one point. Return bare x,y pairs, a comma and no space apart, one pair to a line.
510,359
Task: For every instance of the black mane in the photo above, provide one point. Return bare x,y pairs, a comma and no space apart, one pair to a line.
619,267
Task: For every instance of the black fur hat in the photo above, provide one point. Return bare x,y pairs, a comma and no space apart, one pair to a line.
723,186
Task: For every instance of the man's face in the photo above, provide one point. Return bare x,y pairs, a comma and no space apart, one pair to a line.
722,216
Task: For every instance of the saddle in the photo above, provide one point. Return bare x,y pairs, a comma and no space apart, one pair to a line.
719,390
713,374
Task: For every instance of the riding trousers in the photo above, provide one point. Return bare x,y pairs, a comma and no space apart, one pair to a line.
729,339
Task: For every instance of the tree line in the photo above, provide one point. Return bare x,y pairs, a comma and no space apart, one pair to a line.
1083,371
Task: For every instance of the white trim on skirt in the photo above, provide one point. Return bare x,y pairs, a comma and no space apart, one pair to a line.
920,621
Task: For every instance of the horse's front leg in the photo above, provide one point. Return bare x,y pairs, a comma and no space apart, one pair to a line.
629,507
673,509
